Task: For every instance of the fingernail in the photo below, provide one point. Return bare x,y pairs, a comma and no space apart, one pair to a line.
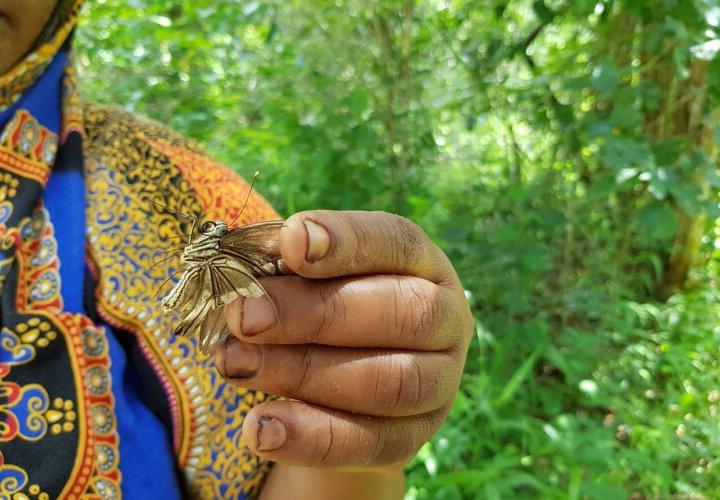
258,315
318,241
242,360
271,433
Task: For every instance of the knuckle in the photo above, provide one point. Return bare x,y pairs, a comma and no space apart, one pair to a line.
407,249
411,376
404,307
401,392
462,324
304,370
412,232
420,311
435,383
436,312
377,399
381,446
333,311
362,241
450,322
323,447
392,447
396,320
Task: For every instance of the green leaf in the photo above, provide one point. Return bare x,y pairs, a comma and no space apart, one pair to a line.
668,151
543,13
522,373
626,113
618,153
605,79
657,220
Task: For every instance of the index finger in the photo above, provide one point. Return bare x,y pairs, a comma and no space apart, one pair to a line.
328,244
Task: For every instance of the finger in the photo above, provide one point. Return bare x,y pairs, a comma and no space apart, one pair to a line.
371,311
326,244
300,434
369,381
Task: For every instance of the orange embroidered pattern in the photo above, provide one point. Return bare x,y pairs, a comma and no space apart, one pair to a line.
27,148
129,164
218,189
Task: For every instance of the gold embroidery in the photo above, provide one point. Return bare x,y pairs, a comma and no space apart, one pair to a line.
128,164
72,108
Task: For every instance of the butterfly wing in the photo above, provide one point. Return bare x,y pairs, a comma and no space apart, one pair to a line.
186,291
262,236
229,279
203,290
213,331
198,292
256,247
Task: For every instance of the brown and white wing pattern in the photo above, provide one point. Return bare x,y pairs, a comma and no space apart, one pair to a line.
194,299
230,279
213,330
256,247
186,291
206,287
227,279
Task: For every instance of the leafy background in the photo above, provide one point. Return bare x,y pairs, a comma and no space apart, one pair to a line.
564,154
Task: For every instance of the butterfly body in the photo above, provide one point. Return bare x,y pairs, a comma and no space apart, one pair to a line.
206,245
221,265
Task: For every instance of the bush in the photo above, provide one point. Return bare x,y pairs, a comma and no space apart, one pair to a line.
563,154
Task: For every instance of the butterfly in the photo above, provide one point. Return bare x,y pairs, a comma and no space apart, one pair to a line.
221,264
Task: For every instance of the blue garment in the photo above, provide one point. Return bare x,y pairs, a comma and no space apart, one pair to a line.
146,455
88,410
46,89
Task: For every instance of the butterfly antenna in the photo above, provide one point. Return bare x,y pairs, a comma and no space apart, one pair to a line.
161,261
165,283
257,172
180,214
172,250
185,235
192,230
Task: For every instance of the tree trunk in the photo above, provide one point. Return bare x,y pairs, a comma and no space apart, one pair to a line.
687,119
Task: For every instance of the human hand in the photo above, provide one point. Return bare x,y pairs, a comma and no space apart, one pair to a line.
368,343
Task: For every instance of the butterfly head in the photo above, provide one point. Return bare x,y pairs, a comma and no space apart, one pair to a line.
214,228
205,245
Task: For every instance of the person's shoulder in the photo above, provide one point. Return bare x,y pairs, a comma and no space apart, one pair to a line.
114,135
106,122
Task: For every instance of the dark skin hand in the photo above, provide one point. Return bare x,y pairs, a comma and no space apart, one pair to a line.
21,22
368,345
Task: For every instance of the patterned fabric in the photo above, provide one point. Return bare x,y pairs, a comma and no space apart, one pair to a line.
59,417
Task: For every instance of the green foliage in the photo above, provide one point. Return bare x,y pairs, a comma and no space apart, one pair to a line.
632,409
563,154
